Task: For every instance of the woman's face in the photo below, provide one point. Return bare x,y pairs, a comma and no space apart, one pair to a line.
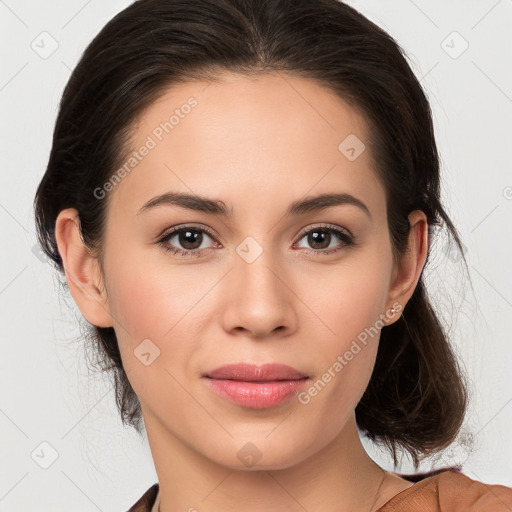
261,284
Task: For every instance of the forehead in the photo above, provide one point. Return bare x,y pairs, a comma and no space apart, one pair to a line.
268,135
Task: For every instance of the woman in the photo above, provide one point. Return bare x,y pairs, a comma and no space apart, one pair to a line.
242,196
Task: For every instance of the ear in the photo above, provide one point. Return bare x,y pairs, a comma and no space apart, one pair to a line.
82,270
408,271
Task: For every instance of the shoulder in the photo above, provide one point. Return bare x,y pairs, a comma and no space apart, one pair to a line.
451,491
146,501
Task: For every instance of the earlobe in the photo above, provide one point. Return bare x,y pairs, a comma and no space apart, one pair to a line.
82,270
407,274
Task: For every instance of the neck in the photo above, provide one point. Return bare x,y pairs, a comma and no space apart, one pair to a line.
341,476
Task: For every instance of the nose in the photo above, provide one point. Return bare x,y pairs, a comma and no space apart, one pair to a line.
259,299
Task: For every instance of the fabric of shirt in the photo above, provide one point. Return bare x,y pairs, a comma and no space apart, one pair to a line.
441,490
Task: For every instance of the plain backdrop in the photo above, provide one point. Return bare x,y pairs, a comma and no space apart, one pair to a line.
62,445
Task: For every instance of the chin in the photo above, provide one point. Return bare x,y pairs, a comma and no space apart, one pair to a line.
262,455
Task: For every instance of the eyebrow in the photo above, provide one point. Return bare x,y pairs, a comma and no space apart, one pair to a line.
218,207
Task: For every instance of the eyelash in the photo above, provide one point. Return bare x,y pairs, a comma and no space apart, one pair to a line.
347,239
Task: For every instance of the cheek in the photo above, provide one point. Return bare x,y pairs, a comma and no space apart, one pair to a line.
149,300
160,303
352,305
347,362
150,308
352,297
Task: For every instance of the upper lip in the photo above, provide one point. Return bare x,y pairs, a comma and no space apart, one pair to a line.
254,373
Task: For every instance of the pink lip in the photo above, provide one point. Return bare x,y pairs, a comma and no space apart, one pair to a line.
257,387
253,373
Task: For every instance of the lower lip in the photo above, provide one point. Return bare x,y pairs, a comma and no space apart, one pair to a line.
256,395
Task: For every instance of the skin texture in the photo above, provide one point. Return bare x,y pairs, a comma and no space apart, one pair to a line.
257,144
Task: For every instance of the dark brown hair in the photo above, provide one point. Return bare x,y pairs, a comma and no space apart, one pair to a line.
416,398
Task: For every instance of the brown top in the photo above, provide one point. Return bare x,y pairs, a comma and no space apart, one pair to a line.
446,490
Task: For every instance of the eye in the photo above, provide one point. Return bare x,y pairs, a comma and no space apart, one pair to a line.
320,239
191,238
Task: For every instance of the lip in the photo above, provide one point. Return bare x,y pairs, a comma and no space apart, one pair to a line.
253,373
255,387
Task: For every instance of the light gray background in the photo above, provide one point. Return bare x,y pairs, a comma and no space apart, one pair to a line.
46,392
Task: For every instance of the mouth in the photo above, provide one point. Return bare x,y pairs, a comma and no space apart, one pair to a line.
246,372
255,387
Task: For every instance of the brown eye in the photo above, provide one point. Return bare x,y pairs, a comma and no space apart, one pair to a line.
187,240
320,239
